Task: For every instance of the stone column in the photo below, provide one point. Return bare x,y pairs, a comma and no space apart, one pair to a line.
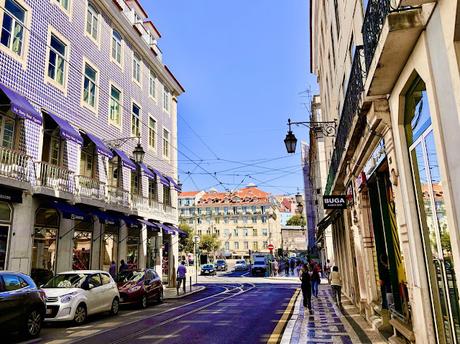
65,245
122,242
142,264
96,239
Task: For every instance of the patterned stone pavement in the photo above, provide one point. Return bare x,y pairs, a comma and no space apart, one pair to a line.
327,324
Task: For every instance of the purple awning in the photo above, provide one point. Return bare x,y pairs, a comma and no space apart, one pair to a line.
147,172
125,160
167,229
174,184
162,179
67,131
21,106
150,225
100,146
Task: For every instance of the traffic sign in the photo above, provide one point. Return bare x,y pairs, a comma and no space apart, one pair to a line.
196,239
270,247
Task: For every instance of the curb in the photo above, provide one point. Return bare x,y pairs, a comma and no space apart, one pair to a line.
287,334
180,296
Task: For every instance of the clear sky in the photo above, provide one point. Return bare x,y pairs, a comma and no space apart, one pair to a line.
245,67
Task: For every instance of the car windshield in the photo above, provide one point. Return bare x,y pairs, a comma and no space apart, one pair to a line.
130,276
221,262
259,263
208,266
240,262
65,281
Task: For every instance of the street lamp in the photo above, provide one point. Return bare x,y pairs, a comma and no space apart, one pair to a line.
327,128
290,141
138,153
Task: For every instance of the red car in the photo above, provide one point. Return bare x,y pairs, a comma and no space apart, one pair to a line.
139,287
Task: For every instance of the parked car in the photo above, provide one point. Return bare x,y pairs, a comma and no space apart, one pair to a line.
140,287
41,276
74,295
208,269
22,304
241,265
221,265
259,268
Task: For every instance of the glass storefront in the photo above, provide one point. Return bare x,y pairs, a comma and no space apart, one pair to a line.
82,243
132,246
5,220
109,246
152,249
429,188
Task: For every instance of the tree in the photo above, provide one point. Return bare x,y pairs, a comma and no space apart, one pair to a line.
209,243
186,243
296,220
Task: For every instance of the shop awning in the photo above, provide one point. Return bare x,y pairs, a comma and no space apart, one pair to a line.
167,229
10,195
70,211
326,222
125,160
181,232
162,179
130,221
21,106
106,218
173,183
150,225
100,146
147,171
67,131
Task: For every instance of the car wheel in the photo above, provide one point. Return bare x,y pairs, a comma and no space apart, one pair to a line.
80,314
160,297
144,302
115,306
33,324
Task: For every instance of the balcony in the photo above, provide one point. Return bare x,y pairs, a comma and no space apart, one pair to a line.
14,167
350,125
90,189
117,197
384,28
51,179
140,204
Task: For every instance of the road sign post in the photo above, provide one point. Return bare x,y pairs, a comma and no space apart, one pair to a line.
196,241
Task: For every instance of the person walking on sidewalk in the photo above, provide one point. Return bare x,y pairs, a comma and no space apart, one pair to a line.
181,276
286,267
306,287
336,285
315,280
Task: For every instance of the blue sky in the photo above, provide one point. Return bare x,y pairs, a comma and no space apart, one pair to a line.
244,65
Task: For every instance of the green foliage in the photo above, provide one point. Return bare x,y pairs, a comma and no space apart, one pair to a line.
296,220
186,244
209,243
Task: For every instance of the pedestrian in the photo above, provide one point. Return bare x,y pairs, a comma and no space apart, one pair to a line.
298,268
292,265
306,287
336,285
123,266
315,280
113,270
286,267
181,276
276,267
327,269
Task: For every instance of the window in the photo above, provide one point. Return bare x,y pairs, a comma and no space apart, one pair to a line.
166,99
255,245
95,280
105,279
57,60
152,85
264,219
265,244
254,232
264,231
246,245
92,22
87,161
235,232
135,120
208,211
136,68
235,220
245,232
135,183
116,47
166,196
225,219
12,282
245,219
7,126
89,86
64,4
227,246
13,27
254,219
165,143
237,245
115,106
152,132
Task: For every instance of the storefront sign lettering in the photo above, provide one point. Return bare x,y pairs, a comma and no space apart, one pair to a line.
335,202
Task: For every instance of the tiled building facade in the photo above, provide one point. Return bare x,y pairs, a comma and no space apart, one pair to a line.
246,220
93,76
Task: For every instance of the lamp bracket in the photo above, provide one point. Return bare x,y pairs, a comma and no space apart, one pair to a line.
117,143
327,128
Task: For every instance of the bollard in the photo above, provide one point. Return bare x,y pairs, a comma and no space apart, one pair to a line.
190,283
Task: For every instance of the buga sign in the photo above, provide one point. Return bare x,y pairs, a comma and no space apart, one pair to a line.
335,202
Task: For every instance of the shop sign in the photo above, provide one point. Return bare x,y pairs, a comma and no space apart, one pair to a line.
378,155
9,195
361,180
335,202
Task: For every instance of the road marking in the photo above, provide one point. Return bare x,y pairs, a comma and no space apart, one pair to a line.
278,331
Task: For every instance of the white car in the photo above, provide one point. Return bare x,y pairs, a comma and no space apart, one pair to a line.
241,265
74,295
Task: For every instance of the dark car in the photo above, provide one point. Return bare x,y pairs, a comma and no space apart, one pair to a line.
140,287
221,265
259,268
208,269
22,304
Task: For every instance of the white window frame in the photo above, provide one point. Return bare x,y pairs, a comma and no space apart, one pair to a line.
57,34
163,143
166,100
155,131
67,11
118,125
131,113
25,38
112,39
96,39
153,85
136,60
98,75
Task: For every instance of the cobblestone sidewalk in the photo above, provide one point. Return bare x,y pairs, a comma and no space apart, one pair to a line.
328,324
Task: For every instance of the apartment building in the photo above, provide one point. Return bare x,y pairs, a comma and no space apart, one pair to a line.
88,130
244,220
389,73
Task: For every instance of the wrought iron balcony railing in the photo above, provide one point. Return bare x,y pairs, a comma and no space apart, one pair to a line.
350,110
90,187
14,165
376,13
54,177
117,196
